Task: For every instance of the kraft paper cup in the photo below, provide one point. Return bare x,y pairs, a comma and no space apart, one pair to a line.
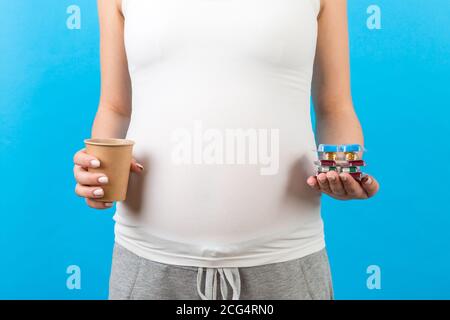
115,160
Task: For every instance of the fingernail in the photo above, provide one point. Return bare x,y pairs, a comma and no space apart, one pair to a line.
331,177
310,182
103,180
321,178
140,166
343,177
109,204
95,163
368,181
98,192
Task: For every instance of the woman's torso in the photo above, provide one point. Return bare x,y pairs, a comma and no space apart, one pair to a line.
221,120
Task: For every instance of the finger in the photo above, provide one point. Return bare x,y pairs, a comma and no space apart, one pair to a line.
98,204
83,177
352,187
335,183
312,182
323,183
370,186
136,167
85,160
89,192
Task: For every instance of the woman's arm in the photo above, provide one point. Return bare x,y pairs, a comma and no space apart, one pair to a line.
114,109
336,120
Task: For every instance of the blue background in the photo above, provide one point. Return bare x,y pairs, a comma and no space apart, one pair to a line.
49,89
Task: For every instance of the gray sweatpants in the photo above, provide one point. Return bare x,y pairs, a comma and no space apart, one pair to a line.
133,277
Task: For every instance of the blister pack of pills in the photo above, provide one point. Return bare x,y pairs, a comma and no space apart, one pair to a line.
340,158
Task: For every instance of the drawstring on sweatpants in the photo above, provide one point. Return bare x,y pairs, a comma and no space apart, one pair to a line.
225,274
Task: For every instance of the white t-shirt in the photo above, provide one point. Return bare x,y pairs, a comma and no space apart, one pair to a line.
221,121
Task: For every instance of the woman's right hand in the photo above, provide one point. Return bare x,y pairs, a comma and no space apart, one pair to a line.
89,184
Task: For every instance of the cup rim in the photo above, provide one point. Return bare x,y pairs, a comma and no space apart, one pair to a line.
109,142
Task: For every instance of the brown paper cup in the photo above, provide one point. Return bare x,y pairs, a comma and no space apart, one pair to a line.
115,159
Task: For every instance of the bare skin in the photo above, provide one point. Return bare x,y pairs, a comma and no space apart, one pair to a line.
114,110
336,120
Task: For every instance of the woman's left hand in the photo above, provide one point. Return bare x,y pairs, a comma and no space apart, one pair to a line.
343,186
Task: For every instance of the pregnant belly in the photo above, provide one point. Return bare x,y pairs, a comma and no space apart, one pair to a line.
188,193
228,165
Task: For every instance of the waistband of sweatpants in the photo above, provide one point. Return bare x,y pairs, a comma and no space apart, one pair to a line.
274,256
